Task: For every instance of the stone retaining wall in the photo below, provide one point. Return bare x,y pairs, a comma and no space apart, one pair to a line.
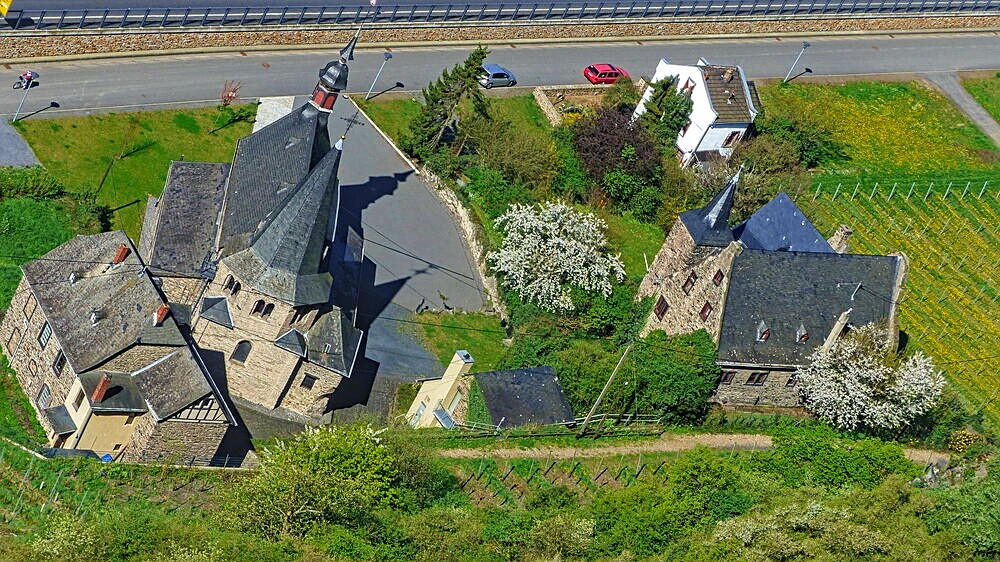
27,44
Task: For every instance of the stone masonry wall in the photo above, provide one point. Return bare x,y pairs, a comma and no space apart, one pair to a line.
774,392
173,441
38,44
31,363
312,402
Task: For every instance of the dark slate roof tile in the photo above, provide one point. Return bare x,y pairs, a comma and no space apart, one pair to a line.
216,309
333,342
172,383
187,217
123,396
60,420
123,296
268,164
285,258
524,396
781,225
294,341
709,225
789,290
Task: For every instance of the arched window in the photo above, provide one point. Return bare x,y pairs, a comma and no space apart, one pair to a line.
236,289
268,309
229,283
258,307
242,351
43,396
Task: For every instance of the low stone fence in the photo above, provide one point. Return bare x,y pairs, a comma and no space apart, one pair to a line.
17,45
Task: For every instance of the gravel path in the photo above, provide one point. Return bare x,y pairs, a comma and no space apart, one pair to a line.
666,443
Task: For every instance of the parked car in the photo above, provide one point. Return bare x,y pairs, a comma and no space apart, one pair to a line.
496,75
604,73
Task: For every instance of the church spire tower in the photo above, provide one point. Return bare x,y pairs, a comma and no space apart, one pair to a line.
333,77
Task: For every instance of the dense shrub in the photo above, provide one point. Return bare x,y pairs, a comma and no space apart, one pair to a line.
571,181
813,144
637,196
33,181
622,96
608,141
972,514
491,192
523,155
674,376
666,113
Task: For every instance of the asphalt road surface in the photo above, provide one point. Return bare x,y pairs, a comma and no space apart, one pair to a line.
148,81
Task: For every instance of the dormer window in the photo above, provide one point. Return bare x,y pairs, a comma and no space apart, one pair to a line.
688,87
801,335
763,332
661,308
719,276
706,311
689,283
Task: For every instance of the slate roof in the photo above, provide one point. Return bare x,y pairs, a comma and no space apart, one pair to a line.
123,295
709,225
172,383
786,290
268,165
123,396
216,309
333,342
781,225
728,97
58,416
524,396
285,259
294,341
180,239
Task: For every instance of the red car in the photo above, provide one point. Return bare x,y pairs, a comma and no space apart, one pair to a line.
604,73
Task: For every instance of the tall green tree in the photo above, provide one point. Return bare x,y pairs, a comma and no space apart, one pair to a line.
667,111
442,99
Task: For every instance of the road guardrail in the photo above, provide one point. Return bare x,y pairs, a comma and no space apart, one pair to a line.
181,18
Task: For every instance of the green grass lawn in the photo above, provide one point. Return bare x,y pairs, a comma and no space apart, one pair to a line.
632,238
77,151
28,229
17,417
393,116
987,93
888,128
479,334
950,299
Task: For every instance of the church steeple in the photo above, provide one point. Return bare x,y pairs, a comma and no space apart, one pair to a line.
333,77
709,225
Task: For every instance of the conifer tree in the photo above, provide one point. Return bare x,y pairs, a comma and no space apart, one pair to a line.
667,111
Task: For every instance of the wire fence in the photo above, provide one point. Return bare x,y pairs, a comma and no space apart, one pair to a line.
141,18
955,189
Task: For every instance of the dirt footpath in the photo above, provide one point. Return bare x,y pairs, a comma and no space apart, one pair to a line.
666,443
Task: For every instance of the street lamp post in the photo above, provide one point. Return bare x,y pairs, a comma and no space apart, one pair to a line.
387,56
805,45
27,79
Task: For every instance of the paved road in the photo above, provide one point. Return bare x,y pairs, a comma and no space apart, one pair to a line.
148,81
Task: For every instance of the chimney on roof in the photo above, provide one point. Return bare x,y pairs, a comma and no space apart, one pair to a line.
840,241
95,316
460,365
727,76
121,254
161,314
101,389
838,328
72,278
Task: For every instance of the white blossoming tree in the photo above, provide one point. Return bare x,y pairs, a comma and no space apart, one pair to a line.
548,249
856,384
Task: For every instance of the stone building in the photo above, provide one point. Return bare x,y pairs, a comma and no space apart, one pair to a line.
102,359
253,258
768,291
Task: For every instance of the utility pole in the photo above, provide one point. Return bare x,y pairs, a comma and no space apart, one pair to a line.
805,45
600,397
26,80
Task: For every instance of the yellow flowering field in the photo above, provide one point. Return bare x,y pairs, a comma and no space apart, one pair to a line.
887,128
952,293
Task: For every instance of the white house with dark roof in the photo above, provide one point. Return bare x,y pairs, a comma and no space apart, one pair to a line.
724,106
769,291
88,333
